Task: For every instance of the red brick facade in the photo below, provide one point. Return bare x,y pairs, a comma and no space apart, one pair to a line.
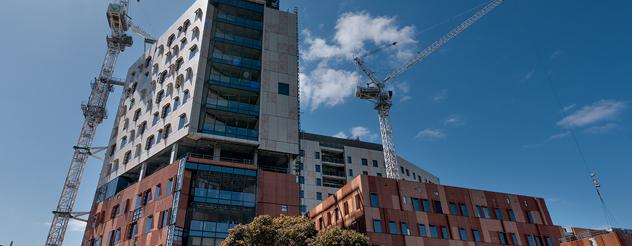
403,209
588,237
277,193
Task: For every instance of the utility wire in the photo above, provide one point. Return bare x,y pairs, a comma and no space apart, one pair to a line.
608,216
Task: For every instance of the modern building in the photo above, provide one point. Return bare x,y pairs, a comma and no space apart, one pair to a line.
401,212
206,134
590,237
328,163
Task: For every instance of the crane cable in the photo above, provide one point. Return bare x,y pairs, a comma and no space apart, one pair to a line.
608,216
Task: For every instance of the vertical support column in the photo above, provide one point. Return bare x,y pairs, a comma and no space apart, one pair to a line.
174,153
143,169
255,158
217,151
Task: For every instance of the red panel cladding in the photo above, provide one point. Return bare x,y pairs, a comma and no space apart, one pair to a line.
275,190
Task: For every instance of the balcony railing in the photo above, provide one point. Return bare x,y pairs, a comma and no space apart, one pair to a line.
242,4
238,40
333,159
231,131
236,60
334,173
231,82
232,106
234,20
224,159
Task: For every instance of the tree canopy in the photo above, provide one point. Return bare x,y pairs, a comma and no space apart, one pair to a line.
291,231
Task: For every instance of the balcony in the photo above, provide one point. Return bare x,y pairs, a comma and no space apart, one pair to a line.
236,60
230,131
237,40
236,83
335,174
239,21
224,159
333,183
333,160
242,4
232,106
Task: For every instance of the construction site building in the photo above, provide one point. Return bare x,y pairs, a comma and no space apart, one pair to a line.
401,212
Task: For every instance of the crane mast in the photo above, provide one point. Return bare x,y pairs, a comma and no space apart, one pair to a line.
94,111
376,92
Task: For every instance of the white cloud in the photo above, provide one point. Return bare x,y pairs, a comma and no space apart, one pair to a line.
431,134
341,135
555,54
596,112
558,136
454,120
568,107
353,31
358,132
528,75
601,128
442,95
405,98
326,86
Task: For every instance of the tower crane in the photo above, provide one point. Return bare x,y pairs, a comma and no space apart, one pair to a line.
376,91
94,111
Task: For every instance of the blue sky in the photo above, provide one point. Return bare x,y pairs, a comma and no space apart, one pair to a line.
478,113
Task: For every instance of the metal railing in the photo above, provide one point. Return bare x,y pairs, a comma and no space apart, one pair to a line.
232,106
333,159
231,131
238,40
231,19
334,173
232,82
236,60
224,159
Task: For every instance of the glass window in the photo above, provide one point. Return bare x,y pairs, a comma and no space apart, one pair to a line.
549,242
538,240
317,167
377,226
375,201
182,121
379,174
284,89
499,214
316,155
348,159
392,227
437,207
375,163
185,98
157,192
434,232
301,194
319,182
477,235
530,240
463,234
486,212
416,204
453,209
512,216
301,152
350,172
319,196
422,230
303,209
530,217
514,239
502,238
444,232
464,211
169,187
405,229
149,223
301,180
365,162
426,205
365,173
